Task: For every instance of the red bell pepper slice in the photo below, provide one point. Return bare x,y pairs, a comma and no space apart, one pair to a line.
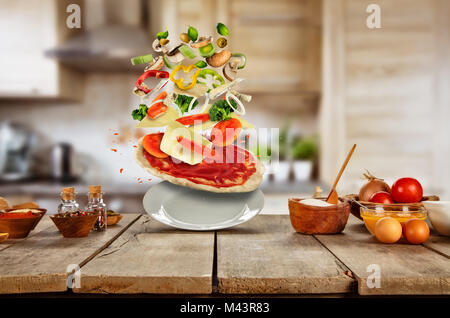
159,108
150,73
190,120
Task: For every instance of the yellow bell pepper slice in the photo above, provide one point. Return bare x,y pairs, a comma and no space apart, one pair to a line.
186,69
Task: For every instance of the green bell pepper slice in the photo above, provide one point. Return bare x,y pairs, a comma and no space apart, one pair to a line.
216,77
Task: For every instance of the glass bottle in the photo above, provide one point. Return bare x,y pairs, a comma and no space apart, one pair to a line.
68,202
95,204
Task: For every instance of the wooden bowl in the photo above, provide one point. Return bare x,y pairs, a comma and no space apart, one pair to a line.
112,220
3,237
19,228
34,210
74,226
308,219
355,207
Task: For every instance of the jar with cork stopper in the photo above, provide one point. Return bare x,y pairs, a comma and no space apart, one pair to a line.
95,204
68,202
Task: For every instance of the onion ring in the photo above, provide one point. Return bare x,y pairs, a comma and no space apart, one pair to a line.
237,100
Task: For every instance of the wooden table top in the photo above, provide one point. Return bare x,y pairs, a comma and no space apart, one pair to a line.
262,256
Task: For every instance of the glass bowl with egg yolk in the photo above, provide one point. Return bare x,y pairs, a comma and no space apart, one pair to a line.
371,213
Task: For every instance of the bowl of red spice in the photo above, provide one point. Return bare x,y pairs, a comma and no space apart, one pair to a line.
20,222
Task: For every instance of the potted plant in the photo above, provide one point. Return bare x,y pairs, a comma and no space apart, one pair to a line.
304,152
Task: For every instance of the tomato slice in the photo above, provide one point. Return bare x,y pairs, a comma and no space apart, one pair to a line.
195,147
225,132
190,120
152,144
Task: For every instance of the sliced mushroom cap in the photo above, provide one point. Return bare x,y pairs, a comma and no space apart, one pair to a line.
220,58
157,64
158,47
202,41
174,55
230,71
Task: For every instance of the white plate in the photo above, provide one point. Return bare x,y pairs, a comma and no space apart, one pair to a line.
190,209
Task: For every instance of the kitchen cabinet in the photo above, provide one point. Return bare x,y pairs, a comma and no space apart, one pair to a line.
27,29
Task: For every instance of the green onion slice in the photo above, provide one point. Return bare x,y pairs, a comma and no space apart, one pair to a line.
186,51
141,59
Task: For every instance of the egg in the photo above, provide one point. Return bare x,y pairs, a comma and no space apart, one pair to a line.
416,231
388,230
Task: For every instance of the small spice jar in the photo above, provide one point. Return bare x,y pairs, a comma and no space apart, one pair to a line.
68,202
95,204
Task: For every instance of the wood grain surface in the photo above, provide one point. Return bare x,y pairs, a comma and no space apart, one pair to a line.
439,243
39,263
404,268
152,258
266,256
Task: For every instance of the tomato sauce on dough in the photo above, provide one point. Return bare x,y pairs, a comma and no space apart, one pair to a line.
224,174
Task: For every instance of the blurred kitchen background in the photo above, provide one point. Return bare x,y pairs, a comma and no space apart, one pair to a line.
315,70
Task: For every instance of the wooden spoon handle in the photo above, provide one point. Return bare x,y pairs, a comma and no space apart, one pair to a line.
344,166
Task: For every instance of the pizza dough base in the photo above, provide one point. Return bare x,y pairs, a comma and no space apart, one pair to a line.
251,184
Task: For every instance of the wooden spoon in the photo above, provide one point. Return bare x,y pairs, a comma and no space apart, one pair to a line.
333,197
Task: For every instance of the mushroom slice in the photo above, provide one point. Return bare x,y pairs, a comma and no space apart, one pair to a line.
230,71
157,64
174,55
220,58
158,47
202,41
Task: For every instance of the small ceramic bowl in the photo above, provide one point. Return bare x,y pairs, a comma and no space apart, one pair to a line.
20,227
308,219
74,226
439,213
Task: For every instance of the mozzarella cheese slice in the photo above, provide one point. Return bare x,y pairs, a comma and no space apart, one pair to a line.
171,146
160,121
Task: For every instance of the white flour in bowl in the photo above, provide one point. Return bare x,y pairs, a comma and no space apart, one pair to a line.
315,202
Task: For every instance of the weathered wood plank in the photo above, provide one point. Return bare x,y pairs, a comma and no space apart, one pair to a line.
404,268
42,225
266,255
440,244
39,263
152,258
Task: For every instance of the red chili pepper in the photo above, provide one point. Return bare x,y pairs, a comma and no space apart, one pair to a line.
150,73
190,120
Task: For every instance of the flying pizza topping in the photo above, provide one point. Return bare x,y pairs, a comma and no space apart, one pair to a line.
188,94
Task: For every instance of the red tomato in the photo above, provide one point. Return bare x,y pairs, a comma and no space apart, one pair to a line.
152,144
382,197
407,190
225,132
